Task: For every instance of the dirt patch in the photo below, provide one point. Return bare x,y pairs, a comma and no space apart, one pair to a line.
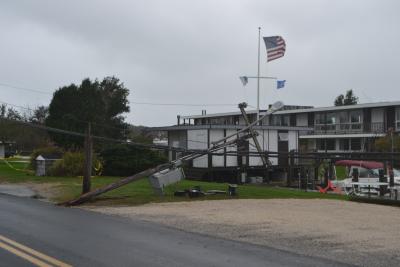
46,191
355,233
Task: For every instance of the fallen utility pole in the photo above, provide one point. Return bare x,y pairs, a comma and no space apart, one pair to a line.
177,163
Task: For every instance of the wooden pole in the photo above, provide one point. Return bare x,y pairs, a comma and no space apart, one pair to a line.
86,184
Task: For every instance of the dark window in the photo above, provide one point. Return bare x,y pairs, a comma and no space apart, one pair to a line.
344,144
330,144
355,144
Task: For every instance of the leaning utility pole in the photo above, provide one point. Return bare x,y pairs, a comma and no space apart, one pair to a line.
253,133
86,184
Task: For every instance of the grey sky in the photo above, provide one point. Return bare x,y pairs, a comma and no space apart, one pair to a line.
194,51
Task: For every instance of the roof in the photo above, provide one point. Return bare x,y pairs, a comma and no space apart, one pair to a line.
335,108
360,163
49,157
220,114
237,127
325,136
301,110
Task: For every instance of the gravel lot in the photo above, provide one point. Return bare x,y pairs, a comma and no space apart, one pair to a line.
355,233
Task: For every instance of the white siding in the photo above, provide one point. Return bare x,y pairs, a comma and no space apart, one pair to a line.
198,139
302,119
215,135
273,145
231,161
256,160
377,115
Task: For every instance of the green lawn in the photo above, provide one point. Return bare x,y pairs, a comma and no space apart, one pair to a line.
341,172
140,192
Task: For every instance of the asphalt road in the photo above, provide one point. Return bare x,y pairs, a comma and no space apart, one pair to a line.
82,238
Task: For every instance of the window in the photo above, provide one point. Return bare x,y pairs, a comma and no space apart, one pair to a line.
343,117
285,120
280,120
355,144
355,116
319,118
330,144
344,144
398,118
331,118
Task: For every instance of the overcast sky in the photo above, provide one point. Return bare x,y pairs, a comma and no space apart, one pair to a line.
194,51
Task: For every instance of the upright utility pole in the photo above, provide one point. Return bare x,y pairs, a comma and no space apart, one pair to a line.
86,184
258,74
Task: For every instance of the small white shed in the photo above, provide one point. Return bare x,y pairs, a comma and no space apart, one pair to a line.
43,164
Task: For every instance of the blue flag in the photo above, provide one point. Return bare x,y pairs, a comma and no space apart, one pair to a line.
280,84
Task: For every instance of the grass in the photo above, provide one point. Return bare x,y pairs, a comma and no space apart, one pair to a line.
341,172
140,192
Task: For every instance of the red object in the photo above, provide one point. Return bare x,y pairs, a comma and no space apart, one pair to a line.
360,163
329,187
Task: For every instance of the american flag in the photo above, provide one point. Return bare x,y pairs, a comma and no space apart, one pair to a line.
275,47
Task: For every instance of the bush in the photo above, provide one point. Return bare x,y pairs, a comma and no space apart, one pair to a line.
53,151
124,160
71,164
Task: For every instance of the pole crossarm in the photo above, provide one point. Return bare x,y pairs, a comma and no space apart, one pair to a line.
261,77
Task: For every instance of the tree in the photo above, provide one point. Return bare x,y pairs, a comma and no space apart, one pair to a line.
349,99
384,144
39,115
339,100
25,138
100,103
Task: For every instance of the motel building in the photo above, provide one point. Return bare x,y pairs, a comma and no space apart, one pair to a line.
293,128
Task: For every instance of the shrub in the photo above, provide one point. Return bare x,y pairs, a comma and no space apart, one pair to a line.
124,160
71,164
45,151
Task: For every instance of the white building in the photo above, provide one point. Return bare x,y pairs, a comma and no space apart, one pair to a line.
328,129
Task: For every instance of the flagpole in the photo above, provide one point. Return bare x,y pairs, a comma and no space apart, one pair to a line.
258,75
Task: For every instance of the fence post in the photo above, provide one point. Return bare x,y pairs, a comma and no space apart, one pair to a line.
86,184
355,177
381,180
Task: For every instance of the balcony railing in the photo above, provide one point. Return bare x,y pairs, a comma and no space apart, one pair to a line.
349,128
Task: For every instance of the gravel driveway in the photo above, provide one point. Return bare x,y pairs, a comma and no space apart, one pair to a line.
355,233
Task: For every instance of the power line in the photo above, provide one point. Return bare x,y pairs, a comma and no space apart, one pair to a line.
68,117
182,104
25,89
137,103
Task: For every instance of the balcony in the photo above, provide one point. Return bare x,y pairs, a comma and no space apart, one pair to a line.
350,128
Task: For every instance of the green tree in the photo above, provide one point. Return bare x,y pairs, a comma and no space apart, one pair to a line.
100,103
349,99
384,144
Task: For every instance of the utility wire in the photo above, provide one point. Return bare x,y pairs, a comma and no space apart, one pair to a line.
137,103
25,89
